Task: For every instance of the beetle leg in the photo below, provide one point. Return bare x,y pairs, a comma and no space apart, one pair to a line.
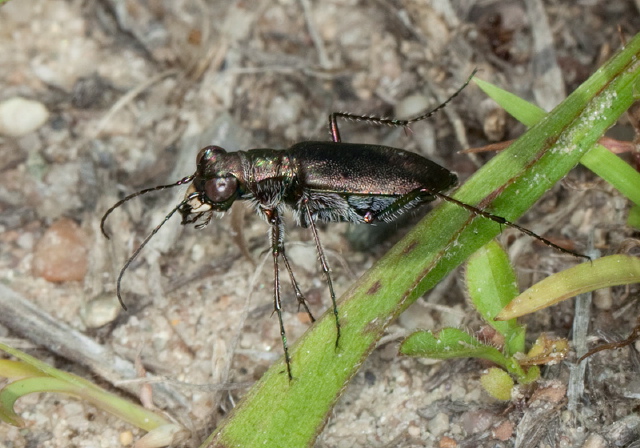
277,236
299,296
333,118
325,268
423,194
404,203
333,126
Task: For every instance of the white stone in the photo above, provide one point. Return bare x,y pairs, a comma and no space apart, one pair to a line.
19,116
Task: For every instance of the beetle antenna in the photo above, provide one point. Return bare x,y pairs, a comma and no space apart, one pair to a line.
140,193
148,238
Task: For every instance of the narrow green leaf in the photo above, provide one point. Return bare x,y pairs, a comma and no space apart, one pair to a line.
449,343
12,392
634,217
520,109
17,369
601,273
608,166
50,379
605,164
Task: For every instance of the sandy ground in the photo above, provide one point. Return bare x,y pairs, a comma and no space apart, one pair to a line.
132,90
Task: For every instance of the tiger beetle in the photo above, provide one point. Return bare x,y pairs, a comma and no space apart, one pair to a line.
319,181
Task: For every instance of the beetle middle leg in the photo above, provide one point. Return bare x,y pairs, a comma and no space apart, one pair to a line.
276,244
277,250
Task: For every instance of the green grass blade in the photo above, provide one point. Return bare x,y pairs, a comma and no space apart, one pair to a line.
520,109
13,370
50,379
634,217
601,273
600,160
614,170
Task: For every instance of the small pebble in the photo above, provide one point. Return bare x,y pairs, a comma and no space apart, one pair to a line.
447,442
100,311
494,120
412,105
303,256
25,241
126,438
19,116
475,422
414,431
61,253
595,441
504,431
165,435
285,111
417,317
439,424
552,392
602,299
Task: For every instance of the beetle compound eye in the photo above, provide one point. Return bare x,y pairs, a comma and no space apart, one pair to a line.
220,189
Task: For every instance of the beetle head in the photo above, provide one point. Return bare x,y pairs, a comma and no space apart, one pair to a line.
215,185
